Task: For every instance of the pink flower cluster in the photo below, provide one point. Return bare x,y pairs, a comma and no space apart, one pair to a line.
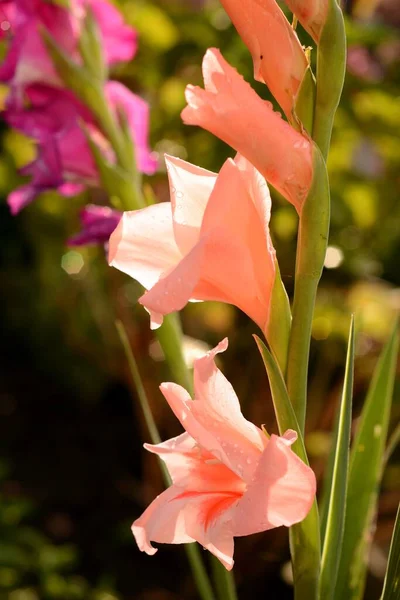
42,108
212,242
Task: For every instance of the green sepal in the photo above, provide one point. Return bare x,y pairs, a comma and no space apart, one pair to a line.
90,48
280,319
303,113
331,70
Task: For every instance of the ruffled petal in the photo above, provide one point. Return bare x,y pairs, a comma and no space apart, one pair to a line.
281,492
163,521
214,419
230,109
278,57
195,469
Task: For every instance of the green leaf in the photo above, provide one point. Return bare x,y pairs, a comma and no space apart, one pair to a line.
366,465
333,537
305,536
391,586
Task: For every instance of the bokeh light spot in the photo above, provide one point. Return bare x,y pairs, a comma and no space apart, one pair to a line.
333,258
72,262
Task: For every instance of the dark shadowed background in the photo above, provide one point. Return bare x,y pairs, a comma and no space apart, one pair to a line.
73,474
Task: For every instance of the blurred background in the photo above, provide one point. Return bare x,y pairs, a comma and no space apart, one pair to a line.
73,474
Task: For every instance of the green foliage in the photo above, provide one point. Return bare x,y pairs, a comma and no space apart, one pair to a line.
336,494
366,463
391,588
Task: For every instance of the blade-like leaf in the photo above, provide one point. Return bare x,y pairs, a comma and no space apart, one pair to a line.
366,461
323,503
333,537
305,536
391,587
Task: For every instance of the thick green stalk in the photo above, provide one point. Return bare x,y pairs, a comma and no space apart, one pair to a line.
311,249
331,67
192,550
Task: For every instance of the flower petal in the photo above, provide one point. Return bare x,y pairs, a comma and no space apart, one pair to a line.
236,221
163,521
143,244
195,469
173,290
279,60
281,493
214,418
312,14
190,189
230,109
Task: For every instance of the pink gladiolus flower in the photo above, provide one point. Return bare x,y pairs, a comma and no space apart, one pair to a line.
27,60
279,60
228,478
230,109
98,223
211,242
64,160
312,14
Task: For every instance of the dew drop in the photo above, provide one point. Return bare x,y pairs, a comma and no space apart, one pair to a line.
248,461
179,194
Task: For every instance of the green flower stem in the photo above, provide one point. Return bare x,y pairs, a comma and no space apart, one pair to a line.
192,550
224,582
169,336
331,67
311,250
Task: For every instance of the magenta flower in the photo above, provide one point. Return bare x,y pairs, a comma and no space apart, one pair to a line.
27,60
228,478
64,161
98,223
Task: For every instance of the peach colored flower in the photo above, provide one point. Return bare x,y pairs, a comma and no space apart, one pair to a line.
312,15
230,109
278,57
211,242
228,478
